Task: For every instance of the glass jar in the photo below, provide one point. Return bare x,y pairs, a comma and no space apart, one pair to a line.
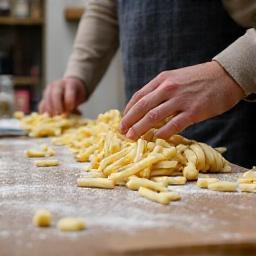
6,96
21,9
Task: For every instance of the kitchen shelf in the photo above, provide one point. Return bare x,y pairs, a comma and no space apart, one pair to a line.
13,21
25,81
74,14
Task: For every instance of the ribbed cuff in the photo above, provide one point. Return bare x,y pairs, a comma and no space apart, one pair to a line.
239,60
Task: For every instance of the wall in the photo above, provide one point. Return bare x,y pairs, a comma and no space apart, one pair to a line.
59,39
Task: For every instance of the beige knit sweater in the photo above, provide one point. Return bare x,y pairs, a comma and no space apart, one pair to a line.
97,41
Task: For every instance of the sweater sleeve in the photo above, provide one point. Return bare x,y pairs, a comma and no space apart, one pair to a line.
239,60
95,44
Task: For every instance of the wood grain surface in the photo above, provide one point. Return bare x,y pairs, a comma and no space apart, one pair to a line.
119,221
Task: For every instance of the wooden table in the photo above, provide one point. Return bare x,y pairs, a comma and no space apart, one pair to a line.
119,221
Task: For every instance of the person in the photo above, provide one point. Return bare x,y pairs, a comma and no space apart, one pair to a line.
174,37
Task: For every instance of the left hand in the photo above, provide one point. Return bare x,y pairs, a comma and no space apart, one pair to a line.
191,94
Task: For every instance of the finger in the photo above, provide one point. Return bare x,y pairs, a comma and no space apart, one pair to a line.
77,112
48,101
151,86
69,97
81,93
152,118
175,125
141,108
41,107
57,98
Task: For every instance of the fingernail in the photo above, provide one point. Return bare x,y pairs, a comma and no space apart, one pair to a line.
123,128
130,134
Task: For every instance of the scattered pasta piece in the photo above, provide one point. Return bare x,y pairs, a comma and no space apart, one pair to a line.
71,224
18,115
248,177
249,188
42,218
246,180
223,186
135,183
173,196
95,183
180,180
47,163
34,153
154,196
44,151
204,182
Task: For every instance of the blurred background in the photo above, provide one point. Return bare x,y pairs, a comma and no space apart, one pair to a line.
36,41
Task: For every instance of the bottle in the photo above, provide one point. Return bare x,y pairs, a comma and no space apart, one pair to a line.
21,8
36,9
5,7
6,96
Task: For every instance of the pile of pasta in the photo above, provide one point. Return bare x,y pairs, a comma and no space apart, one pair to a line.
43,125
148,165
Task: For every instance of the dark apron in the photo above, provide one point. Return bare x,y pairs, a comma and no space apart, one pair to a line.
158,35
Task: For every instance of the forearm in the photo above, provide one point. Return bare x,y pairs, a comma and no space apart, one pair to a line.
239,61
242,11
95,44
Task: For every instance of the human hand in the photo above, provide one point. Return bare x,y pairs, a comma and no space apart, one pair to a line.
63,96
191,94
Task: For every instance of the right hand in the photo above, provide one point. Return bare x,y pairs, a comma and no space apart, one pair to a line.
63,96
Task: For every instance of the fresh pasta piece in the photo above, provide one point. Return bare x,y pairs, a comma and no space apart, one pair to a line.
180,180
145,173
173,196
48,150
42,218
34,153
141,144
249,188
44,151
96,174
165,165
112,158
248,177
204,182
47,163
209,157
223,186
250,174
246,180
95,183
221,150
190,172
117,165
18,115
200,163
71,224
137,167
165,172
135,183
154,196
191,156
84,155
